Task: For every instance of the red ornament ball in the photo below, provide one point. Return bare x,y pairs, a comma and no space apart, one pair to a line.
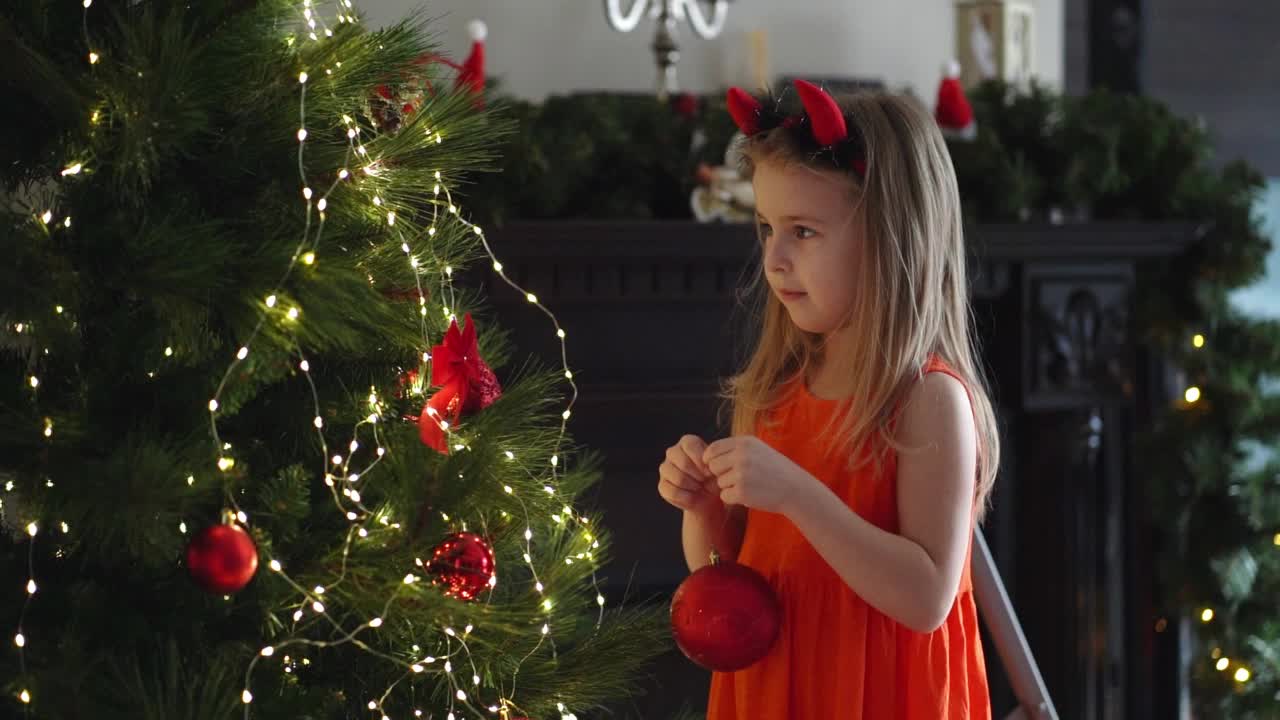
463,564
222,558
725,617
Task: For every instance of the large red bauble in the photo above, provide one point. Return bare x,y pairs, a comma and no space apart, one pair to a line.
463,564
222,558
725,617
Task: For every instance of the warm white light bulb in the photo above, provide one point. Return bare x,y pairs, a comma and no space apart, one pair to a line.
246,697
302,77
302,134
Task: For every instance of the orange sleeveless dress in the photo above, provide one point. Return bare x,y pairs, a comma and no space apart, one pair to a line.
836,656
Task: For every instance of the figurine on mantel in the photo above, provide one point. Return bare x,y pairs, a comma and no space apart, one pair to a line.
722,192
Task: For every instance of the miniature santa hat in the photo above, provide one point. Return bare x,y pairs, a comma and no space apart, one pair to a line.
471,72
953,112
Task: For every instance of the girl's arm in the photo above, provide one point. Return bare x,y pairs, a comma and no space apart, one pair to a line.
718,525
912,576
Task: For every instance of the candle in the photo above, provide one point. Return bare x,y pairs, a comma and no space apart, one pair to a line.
759,53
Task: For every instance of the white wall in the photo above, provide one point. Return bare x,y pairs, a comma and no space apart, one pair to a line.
1263,297
541,47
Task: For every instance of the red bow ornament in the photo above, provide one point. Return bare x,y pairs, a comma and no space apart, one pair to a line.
467,384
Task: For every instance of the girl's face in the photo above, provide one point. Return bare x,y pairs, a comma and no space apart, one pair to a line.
812,241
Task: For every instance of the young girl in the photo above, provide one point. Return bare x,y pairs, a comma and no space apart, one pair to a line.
864,444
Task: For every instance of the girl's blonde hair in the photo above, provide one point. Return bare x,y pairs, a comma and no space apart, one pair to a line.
910,291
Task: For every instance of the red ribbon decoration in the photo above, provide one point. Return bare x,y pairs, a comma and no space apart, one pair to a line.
467,384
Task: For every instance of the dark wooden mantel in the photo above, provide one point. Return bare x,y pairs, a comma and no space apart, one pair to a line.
653,323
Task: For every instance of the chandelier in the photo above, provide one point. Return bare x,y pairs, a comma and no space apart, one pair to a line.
668,14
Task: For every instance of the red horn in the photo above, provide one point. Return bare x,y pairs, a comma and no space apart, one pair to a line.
745,110
824,115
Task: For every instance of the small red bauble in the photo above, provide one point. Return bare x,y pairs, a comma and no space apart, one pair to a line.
222,558
463,564
725,617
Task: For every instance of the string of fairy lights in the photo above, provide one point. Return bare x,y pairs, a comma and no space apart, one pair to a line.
46,220
356,512
340,473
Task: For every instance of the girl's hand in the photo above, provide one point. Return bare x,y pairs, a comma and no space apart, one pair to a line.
751,473
683,479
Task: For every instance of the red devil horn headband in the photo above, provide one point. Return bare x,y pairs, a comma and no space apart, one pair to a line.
745,110
826,121
825,118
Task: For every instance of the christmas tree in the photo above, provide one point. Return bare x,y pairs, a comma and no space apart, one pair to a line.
261,454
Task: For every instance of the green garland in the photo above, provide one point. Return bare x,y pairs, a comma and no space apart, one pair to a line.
1040,156
1119,157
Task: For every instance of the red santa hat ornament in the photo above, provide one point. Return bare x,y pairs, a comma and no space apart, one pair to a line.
471,72
953,112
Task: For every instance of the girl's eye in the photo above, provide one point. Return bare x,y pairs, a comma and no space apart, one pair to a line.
765,230
803,232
